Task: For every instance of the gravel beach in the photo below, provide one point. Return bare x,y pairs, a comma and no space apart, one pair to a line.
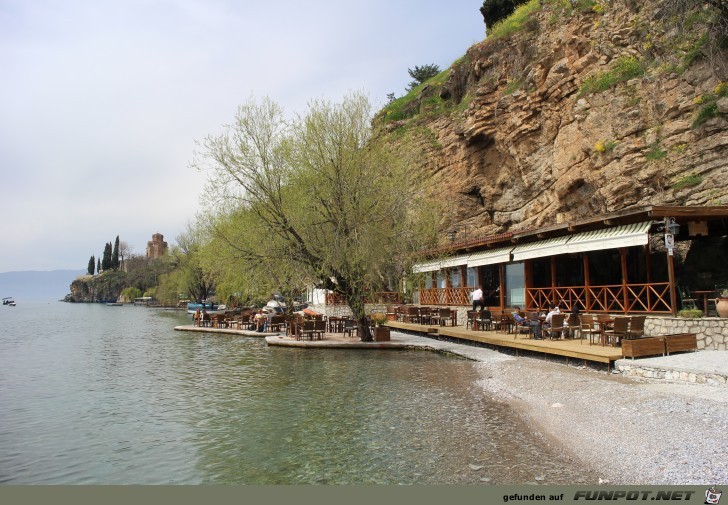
628,432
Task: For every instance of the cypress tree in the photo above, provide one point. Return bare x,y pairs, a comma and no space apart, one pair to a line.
106,259
115,255
98,266
91,265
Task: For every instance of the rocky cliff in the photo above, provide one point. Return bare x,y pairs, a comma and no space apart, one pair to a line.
101,288
575,108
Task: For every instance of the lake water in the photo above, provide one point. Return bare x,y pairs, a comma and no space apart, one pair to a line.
91,394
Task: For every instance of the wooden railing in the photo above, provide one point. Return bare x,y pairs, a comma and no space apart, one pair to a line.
632,298
379,297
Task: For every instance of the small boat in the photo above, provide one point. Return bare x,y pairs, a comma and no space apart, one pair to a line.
9,301
114,304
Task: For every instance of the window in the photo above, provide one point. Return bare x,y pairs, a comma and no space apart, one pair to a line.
515,285
441,279
472,279
455,278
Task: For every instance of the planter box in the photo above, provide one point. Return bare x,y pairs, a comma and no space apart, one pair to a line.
646,346
381,334
681,342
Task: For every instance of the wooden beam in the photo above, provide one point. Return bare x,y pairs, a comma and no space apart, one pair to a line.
625,280
671,276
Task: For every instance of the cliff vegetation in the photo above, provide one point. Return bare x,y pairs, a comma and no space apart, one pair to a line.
570,109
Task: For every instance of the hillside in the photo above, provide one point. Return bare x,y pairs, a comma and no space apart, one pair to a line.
570,109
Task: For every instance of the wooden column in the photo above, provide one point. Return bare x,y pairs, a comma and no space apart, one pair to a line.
553,280
528,282
502,285
587,283
671,276
625,280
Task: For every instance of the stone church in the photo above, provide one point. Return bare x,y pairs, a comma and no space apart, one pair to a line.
156,247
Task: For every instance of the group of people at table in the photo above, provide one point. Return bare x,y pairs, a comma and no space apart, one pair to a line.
259,321
537,323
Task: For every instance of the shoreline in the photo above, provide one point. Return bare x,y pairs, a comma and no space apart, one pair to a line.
625,431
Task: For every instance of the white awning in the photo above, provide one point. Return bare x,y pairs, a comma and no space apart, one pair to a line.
628,235
431,266
549,247
491,257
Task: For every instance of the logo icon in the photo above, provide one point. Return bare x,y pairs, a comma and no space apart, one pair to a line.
712,495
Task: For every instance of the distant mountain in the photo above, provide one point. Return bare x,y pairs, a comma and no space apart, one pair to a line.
36,285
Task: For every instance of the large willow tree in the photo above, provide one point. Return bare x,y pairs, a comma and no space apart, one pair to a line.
313,201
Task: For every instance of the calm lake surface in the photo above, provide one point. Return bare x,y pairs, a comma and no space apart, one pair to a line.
91,394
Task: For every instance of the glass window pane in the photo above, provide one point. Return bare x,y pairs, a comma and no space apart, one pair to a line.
515,285
455,278
472,277
441,279
428,280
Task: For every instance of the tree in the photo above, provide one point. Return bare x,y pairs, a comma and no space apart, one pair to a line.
98,265
91,265
313,201
115,255
496,10
106,258
421,74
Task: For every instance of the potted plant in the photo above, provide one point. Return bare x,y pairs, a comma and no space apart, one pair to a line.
721,303
381,331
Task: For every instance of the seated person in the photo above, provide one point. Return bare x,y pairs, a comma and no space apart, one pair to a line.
572,323
522,321
260,321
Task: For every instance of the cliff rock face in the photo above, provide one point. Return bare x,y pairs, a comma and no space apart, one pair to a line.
102,288
521,134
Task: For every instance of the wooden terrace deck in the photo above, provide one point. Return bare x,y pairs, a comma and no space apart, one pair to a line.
571,348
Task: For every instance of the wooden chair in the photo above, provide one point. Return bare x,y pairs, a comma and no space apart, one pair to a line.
412,315
521,328
636,327
686,301
590,328
484,320
350,328
618,331
308,329
441,317
556,328
470,319
319,329
506,323
572,326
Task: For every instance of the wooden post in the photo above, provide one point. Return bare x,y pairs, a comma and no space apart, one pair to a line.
502,281
587,283
553,281
528,282
625,280
671,277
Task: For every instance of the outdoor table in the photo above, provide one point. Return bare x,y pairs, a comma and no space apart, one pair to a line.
336,324
712,293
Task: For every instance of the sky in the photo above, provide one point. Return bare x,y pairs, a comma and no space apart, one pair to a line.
101,102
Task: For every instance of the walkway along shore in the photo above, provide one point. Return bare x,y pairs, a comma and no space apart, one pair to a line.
627,430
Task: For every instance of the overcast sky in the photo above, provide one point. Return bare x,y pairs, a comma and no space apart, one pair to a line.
101,101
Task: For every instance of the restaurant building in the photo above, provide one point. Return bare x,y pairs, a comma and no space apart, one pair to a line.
646,260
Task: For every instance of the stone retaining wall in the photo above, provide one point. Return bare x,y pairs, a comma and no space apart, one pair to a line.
712,332
641,371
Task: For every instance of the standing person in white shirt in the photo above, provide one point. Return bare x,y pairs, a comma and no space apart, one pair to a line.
477,297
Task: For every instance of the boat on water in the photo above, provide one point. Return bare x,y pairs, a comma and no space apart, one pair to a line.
114,304
209,307
9,301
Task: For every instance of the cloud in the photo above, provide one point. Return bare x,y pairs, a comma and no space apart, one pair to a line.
101,102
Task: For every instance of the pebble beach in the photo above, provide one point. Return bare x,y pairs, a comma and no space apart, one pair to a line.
626,431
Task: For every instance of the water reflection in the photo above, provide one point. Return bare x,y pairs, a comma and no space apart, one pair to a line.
119,397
